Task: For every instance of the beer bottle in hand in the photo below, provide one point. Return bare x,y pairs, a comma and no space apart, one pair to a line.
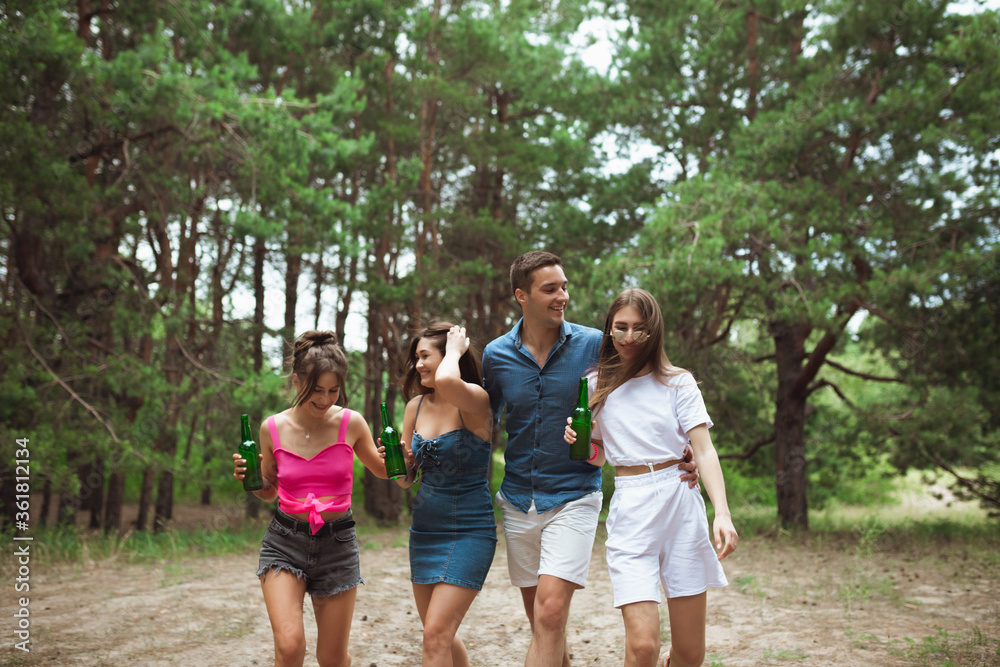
249,452
581,450
395,464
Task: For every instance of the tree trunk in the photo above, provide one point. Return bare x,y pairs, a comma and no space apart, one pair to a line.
66,516
382,497
8,494
93,493
259,251
145,497
206,457
789,425
43,519
167,446
426,228
113,505
164,501
293,267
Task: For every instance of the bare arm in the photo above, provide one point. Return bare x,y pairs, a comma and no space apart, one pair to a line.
715,484
405,437
364,446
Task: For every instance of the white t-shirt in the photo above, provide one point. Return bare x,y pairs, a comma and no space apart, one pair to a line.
644,421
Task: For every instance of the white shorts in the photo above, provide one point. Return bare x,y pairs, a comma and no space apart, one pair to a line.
557,543
658,534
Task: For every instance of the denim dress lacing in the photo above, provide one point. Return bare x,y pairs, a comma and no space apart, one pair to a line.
454,534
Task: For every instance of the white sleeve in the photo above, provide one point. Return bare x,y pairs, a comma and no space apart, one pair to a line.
691,409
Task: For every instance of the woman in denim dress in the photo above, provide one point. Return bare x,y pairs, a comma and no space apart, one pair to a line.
453,535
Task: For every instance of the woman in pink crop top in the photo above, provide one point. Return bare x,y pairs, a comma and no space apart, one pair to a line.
307,462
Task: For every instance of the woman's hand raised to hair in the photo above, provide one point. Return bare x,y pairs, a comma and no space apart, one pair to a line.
458,341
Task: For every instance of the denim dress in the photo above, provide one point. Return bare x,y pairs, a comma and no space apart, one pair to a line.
454,535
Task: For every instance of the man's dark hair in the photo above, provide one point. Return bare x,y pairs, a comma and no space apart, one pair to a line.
522,268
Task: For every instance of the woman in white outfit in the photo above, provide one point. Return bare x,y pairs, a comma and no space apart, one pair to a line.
645,412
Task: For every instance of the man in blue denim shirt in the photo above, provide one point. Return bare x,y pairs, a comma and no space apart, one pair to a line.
550,502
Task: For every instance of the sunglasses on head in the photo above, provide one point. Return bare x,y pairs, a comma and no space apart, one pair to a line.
637,336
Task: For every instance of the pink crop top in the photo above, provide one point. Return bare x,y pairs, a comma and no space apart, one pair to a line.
302,482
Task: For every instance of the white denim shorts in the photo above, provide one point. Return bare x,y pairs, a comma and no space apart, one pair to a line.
658,534
557,543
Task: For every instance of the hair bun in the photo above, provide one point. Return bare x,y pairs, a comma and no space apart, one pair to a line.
313,339
323,338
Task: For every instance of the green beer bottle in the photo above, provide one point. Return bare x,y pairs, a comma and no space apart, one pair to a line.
581,450
250,452
395,464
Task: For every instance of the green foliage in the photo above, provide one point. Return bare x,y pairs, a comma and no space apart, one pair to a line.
802,186
390,160
68,545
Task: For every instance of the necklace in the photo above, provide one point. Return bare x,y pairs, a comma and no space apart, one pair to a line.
308,429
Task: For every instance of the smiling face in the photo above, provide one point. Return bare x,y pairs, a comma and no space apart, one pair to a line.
427,357
630,322
544,304
324,394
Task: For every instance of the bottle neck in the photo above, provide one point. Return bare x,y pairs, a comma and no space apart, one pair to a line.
582,400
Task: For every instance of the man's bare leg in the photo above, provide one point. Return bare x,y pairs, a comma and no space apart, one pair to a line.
547,607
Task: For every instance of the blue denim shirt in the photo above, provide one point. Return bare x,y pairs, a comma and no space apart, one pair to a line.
537,401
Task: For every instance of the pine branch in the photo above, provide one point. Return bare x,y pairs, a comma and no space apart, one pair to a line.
866,376
751,450
76,397
201,367
836,389
969,485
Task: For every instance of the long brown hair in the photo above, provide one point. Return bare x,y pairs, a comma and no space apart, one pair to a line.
315,353
612,370
436,334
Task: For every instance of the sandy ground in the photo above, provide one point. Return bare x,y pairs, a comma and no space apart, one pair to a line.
795,600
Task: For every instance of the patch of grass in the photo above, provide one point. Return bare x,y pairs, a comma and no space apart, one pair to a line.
715,659
748,585
862,588
945,649
868,534
67,545
785,654
173,574
863,641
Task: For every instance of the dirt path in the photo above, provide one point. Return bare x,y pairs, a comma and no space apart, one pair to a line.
796,601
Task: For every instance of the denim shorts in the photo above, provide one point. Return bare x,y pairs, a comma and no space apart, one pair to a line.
328,561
